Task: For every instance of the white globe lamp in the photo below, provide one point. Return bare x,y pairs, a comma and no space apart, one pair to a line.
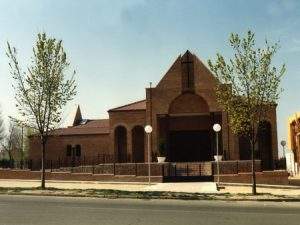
217,127
148,129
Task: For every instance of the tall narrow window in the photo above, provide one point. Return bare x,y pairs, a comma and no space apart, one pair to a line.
69,150
78,150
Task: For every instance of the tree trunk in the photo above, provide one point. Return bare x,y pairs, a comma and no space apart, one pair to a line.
10,160
253,169
43,163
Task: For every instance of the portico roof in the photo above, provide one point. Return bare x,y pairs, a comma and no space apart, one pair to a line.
135,106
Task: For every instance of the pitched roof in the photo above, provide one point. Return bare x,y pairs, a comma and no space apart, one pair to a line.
89,127
135,106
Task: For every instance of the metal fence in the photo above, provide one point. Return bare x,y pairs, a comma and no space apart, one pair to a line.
71,161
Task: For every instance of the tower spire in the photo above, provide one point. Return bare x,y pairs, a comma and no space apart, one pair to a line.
78,117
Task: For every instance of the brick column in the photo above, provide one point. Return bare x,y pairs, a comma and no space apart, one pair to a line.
129,143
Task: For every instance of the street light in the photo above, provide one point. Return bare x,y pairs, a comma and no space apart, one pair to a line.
283,144
148,130
217,129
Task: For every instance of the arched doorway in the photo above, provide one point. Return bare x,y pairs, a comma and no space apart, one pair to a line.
121,143
244,148
265,144
186,129
138,144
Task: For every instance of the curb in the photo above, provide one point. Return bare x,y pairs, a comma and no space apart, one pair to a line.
114,194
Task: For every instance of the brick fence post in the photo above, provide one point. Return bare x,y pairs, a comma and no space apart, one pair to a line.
175,170
187,169
93,166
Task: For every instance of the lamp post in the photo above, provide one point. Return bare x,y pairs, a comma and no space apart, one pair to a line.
217,129
148,130
283,144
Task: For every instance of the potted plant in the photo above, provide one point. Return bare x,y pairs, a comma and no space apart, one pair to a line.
161,156
218,158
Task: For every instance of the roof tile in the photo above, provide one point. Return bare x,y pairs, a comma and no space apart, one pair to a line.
139,105
90,127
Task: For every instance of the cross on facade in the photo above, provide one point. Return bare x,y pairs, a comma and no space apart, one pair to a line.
189,77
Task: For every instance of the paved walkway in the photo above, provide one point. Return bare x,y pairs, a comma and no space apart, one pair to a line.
191,187
194,187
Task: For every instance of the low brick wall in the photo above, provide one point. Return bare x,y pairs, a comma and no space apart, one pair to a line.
134,169
236,166
264,177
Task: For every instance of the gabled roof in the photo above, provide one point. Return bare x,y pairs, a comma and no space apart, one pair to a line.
135,106
89,127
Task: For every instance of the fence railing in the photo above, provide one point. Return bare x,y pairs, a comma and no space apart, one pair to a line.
107,164
71,161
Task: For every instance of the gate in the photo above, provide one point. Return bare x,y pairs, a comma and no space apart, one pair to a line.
189,171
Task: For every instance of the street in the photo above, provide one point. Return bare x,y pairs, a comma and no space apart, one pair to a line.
25,210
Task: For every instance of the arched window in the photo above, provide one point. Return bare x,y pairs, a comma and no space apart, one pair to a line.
121,143
138,144
244,148
265,144
78,150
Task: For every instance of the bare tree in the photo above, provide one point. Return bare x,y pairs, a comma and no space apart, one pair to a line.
2,129
12,143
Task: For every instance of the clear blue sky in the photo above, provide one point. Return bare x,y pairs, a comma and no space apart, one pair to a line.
118,47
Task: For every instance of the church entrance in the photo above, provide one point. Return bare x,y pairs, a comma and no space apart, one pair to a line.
188,138
187,127
190,146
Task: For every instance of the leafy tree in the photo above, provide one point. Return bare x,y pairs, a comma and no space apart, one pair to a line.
248,87
43,89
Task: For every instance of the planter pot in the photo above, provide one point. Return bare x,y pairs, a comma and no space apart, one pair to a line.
161,159
218,158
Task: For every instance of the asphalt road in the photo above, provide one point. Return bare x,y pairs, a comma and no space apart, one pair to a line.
25,210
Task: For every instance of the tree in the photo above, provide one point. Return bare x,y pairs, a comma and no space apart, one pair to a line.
2,130
248,87
12,143
44,89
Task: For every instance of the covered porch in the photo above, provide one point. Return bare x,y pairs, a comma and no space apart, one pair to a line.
189,137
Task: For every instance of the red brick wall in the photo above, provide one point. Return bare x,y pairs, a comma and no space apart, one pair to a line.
234,167
265,177
91,146
127,119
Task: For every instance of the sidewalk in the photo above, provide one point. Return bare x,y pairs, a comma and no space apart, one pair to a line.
191,187
186,190
184,187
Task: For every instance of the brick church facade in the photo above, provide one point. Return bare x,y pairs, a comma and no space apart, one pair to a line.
181,108
294,135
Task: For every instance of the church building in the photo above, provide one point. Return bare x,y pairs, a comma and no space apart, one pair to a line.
294,135
181,108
